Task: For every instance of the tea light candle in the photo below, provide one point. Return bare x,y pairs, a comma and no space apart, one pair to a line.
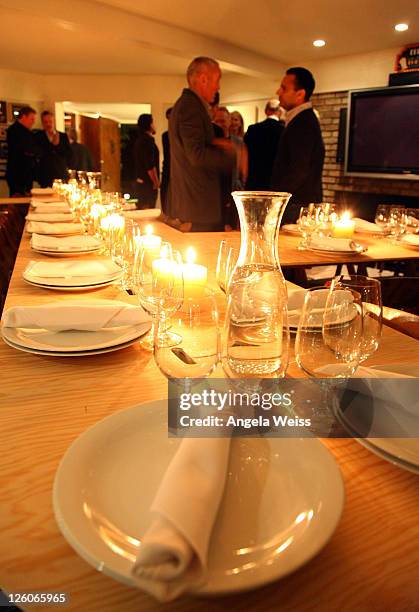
194,276
344,227
165,272
149,240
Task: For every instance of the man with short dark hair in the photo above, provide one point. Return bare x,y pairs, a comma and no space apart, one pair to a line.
22,153
196,158
56,154
262,143
299,161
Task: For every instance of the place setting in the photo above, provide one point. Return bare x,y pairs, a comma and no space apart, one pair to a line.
72,275
65,246
74,328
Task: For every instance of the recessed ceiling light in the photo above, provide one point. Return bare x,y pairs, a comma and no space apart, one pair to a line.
401,27
319,43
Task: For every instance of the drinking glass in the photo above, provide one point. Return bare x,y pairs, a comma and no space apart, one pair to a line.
382,215
398,222
256,334
329,334
192,346
306,225
158,283
226,261
372,309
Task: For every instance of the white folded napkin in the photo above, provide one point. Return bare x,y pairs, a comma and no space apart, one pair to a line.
146,213
69,315
412,239
65,217
41,227
50,207
67,243
332,244
173,552
367,226
72,268
42,191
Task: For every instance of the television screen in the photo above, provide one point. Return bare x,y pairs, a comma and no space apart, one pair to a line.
383,132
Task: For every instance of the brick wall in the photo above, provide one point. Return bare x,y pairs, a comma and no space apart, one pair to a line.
329,105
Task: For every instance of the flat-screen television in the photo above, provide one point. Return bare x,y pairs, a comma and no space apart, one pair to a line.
382,132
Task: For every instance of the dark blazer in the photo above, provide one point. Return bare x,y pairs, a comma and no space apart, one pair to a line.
195,165
165,174
55,159
262,143
298,164
22,158
82,158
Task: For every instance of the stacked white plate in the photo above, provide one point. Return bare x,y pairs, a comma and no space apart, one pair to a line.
54,229
72,275
73,343
343,246
70,245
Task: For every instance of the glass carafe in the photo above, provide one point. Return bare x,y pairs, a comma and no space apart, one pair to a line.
256,335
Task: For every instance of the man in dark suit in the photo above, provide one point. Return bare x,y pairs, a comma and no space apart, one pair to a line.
82,158
23,153
196,158
262,143
56,154
299,161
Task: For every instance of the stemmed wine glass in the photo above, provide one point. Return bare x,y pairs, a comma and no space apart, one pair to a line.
372,309
306,225
226,261
382,216
158,283
398,222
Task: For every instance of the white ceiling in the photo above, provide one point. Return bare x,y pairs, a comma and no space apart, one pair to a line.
157,37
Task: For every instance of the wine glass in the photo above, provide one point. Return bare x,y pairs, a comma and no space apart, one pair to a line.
306,225
226,261
158,283
382,215
372,309
398,221
256,334
329,334
192,348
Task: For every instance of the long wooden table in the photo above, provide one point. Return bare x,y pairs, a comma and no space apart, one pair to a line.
370,564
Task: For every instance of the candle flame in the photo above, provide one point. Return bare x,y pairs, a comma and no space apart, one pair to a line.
190,255
346,216
149,230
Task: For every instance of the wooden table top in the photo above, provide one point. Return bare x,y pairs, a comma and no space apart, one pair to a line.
370,564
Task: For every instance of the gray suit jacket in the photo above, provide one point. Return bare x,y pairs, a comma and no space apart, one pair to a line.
196,165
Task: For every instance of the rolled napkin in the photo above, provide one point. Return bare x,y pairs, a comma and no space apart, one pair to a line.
68,268
65,217
173,552
411,239
332,244
146,213
53,207
69,243
73,315
366,226
40,227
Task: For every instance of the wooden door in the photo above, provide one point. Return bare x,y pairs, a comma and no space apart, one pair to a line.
90,136
110,154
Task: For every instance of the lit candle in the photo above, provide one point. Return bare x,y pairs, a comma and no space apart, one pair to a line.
344,227
149,240
165,273
194,276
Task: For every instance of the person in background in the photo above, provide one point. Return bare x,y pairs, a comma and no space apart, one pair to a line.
299,161
82,158
146,157
213,108
197,159
23,153
56,155
236,124
165,173
262,143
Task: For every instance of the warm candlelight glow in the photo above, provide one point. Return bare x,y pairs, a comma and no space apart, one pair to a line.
344,227
190,255
149,230
194,275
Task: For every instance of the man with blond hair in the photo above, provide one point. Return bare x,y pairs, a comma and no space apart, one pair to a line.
197,158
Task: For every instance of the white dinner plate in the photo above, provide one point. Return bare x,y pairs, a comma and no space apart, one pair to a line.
403,452
109,349
72,341
65,253
70,281
73,287
282,502
336,252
